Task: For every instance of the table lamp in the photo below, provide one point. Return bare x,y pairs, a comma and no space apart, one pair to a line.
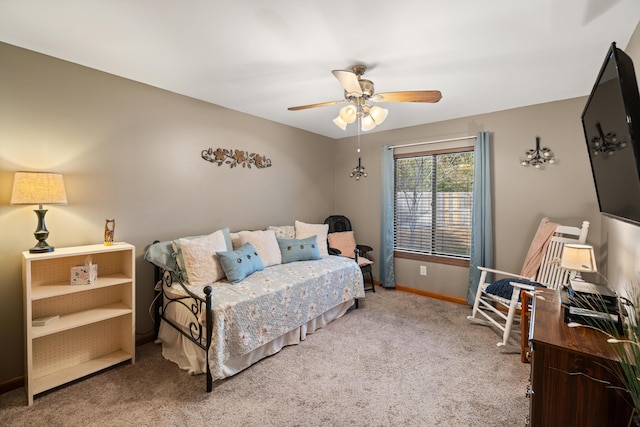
578,258
38,188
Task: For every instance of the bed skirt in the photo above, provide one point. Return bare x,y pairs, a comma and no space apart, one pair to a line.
188,356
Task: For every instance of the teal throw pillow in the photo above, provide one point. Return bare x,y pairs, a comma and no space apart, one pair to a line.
161,254
240,263
299,249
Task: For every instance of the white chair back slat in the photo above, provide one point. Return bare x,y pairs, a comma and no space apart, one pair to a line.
550,273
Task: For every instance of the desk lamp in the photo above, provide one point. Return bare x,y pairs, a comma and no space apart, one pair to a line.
578,258
38,188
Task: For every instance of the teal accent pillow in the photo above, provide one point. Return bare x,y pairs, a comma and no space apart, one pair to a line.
299,249
240,263
162,255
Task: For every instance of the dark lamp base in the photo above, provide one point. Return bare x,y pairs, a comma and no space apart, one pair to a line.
41,234
40,250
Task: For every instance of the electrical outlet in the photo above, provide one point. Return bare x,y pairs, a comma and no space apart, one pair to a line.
423,270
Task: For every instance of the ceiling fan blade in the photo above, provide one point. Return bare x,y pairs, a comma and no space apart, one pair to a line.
409,96
349,82
321,104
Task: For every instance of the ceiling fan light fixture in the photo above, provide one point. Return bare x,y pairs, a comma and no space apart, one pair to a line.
358,92
348,113
367,122
378,114
340,123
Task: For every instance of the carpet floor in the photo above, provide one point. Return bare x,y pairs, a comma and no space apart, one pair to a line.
399,360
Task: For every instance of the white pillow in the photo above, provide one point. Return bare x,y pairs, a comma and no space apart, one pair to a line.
304,230
265,243
283,231
200,259
235,241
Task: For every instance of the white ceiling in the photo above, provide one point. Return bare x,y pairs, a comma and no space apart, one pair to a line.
260,57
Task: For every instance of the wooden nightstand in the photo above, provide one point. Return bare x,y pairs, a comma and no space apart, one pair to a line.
96,324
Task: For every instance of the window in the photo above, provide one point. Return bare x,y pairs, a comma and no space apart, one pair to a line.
433,205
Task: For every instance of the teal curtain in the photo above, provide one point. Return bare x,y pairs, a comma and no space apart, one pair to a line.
481,253
387,268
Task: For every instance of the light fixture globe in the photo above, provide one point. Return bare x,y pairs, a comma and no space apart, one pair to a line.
378,114
349,113
367,122
369,116
340,123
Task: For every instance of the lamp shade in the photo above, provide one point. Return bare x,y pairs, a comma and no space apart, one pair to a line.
578,258
38,188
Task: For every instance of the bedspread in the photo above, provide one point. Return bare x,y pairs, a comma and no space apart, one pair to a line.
276,300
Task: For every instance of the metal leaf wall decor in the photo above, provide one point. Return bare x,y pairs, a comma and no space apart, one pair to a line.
235,158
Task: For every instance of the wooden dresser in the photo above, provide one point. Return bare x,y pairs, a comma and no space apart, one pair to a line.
571,378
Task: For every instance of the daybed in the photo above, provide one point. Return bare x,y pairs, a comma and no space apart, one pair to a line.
238,319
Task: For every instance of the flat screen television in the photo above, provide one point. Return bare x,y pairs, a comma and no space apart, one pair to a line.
611,123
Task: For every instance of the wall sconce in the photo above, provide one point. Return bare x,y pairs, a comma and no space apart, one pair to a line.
578,258
38,188
538,156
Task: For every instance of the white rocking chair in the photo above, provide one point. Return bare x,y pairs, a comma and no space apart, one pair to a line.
500,304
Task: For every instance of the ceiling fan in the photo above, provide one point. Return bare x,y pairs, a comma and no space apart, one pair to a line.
358,92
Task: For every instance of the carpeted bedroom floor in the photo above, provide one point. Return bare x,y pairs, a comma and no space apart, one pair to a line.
399,360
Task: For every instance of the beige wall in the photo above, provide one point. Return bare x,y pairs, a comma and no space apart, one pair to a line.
132,152
521,196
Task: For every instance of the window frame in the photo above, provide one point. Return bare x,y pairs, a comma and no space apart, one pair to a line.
438,259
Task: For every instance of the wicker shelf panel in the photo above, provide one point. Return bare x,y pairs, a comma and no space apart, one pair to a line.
58,270
90,298
76,346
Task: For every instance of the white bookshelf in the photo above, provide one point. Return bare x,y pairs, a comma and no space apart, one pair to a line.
96,325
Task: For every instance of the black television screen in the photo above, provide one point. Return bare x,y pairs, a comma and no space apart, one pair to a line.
610,120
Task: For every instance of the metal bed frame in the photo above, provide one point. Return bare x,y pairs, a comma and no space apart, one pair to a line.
198,334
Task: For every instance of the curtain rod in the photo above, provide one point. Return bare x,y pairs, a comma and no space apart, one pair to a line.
391,147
